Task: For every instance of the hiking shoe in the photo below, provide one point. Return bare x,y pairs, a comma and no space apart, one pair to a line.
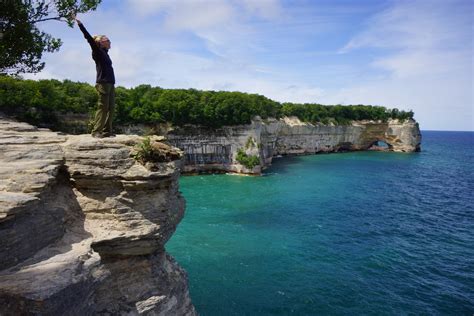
97,135
107,134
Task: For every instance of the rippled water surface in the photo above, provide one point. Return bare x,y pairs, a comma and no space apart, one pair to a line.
353,233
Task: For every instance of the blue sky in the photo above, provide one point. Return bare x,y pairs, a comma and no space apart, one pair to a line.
408,54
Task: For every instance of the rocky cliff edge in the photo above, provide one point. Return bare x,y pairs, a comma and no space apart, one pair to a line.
83,226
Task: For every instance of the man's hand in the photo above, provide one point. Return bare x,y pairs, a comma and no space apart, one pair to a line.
73,16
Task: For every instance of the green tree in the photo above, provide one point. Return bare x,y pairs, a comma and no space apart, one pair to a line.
22,44
39,102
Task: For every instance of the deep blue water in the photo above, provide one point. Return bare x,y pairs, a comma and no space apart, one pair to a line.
352,233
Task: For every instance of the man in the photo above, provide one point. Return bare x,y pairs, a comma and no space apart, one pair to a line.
105,81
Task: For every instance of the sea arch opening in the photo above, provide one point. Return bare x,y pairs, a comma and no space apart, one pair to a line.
380,145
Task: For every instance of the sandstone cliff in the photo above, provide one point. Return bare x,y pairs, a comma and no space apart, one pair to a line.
83,226
216,149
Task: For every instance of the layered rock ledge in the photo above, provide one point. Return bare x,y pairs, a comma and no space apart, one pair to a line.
83,226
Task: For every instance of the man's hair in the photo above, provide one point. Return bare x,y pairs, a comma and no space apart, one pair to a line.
97,38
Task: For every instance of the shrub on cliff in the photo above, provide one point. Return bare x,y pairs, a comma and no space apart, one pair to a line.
249,161
143,151
153,151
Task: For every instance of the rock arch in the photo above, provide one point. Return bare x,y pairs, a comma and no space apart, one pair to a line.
381,145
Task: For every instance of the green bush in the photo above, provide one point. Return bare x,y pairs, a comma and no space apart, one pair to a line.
144,151
249,161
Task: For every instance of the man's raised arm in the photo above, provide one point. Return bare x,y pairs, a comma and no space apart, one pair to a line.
87,36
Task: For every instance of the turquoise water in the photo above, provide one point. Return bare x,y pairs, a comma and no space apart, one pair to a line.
353,233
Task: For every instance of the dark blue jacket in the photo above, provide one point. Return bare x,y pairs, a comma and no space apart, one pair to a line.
103,63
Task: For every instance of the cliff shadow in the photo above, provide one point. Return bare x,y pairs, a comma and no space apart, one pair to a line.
44,229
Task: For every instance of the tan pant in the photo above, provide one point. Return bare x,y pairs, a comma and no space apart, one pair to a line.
105,108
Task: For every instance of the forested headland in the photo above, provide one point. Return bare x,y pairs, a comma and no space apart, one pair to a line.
41,102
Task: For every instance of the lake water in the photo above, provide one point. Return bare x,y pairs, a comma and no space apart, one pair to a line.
350,233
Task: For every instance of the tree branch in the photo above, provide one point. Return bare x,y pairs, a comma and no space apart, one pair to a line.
57,18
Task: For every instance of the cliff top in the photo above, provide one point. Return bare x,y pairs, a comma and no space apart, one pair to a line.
31,157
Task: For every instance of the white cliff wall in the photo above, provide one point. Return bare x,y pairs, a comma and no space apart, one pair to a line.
83,226
216,150
291,136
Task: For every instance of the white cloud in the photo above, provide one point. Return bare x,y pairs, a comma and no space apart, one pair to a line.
72,62
268,9
207,12
222,25
428,63
148,7
427,54
413,24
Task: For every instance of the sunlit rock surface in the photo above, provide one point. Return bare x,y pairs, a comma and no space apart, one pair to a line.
83,226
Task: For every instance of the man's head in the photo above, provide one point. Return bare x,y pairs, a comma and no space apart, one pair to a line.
102,41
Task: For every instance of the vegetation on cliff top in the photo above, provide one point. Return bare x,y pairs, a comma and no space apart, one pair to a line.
40,102
150,150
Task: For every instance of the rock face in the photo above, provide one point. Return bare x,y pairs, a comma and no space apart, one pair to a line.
83,226
216,150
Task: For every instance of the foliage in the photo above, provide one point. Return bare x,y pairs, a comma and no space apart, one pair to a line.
249,161
144,151
22,43
250,143
342,114
38,102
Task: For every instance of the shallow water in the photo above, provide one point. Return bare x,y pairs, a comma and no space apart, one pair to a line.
353,233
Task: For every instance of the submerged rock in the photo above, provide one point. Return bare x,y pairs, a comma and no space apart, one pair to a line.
83,226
